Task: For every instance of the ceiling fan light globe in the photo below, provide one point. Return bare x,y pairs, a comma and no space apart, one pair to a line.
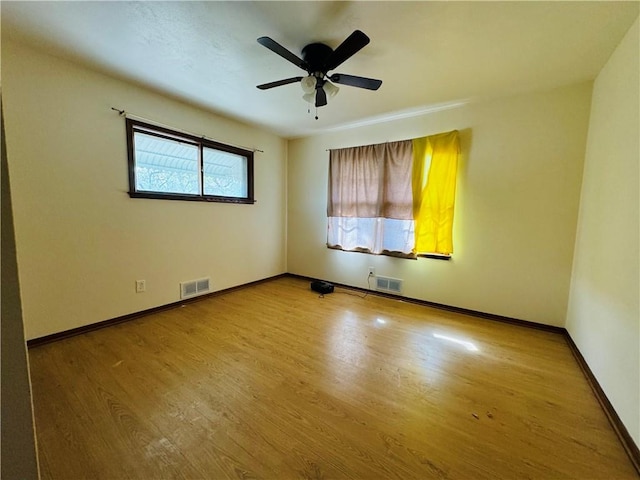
330,89
309,97
308,84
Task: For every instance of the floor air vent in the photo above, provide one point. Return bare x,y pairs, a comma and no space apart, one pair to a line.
390,285
195,287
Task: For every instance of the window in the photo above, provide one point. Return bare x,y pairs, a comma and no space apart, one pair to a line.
170,165
395,198
370,201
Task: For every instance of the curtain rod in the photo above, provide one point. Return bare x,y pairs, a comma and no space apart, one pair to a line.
126,114
370,144
393,141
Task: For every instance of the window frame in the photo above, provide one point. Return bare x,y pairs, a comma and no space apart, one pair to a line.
133,126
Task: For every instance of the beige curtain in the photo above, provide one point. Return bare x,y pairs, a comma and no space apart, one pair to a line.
372,181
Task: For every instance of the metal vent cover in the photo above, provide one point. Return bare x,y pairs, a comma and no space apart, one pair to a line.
388,284
195,287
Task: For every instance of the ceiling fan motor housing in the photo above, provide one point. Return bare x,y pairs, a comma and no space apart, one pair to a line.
315,56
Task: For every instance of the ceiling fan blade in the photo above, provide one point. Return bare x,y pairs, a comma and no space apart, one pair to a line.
275,47
354,42
286,81
321,97
354,81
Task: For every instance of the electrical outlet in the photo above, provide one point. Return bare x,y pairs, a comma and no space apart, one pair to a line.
372,271
141,286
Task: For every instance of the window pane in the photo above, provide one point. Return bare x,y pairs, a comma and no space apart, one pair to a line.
399,235
166,166
350,233
373,234
225,174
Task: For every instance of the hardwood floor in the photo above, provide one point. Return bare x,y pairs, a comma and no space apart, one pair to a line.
273,382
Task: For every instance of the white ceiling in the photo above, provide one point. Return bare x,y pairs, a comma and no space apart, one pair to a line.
427,53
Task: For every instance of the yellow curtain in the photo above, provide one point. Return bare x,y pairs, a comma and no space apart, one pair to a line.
434,202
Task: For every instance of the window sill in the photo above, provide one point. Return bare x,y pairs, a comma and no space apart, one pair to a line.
408,256
190,198
434,256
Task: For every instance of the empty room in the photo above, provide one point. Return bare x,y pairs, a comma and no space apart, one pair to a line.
281,240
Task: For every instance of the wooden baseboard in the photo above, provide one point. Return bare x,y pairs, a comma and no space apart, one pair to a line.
449,308
623,434
131,316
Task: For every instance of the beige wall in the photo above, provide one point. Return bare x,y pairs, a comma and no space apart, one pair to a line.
517,203
81,241
604,313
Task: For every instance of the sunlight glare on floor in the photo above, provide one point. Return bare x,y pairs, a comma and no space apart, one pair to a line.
470,346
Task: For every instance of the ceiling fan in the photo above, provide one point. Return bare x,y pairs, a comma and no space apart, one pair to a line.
317,60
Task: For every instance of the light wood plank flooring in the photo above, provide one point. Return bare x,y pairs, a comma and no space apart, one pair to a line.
273,382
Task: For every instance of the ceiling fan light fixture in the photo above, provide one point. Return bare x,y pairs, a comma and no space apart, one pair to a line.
331,89
309,84
317,60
